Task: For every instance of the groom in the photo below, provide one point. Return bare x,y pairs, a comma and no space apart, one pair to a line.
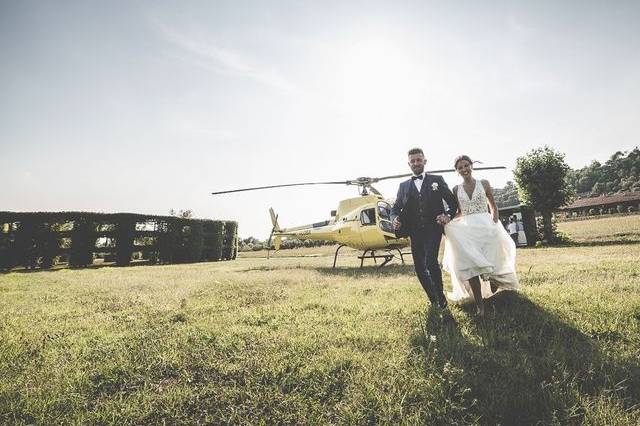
420,214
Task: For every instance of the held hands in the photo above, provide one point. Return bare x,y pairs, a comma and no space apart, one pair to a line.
443,219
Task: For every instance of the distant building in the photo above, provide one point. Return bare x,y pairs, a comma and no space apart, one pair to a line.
604,204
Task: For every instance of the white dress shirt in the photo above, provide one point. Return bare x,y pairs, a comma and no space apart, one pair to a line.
418,182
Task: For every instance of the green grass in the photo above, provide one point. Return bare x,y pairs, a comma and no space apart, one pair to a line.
289,340
617,229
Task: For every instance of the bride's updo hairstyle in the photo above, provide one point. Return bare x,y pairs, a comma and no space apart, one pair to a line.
460,158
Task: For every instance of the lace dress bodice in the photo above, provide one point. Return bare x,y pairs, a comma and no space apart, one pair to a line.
478,202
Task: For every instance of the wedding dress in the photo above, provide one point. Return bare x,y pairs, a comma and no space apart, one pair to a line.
477,246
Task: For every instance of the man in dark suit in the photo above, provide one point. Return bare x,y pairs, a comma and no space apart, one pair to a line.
420,214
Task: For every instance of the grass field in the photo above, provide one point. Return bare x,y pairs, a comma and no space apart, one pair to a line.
606,229
289,340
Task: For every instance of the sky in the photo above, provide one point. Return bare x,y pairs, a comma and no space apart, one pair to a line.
147,106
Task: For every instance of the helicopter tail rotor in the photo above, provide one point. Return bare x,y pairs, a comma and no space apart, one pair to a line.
274,220
277,240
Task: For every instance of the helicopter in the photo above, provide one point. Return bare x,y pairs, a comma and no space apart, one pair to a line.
362,223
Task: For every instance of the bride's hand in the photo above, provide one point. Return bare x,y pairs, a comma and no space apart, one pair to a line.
443,219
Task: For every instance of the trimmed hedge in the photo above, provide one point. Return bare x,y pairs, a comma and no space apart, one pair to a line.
124,234
230,249
195,242
214,241
83,242
168,238
39,239
25,244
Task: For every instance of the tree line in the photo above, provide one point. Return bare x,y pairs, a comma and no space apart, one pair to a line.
620,173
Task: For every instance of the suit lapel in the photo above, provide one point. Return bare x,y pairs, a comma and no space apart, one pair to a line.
412,187
425,184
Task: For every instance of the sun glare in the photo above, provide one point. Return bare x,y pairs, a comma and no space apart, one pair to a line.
377,81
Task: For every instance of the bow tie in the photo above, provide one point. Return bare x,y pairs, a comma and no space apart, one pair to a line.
416,177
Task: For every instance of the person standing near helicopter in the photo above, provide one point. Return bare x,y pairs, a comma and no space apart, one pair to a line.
419,213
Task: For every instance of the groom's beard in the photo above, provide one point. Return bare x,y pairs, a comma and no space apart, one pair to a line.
417,171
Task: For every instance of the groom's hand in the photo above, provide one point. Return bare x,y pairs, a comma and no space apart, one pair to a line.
396,223
443,219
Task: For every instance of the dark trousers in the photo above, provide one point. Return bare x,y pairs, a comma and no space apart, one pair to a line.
424,249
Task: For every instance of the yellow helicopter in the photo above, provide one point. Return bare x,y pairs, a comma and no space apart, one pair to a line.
362,223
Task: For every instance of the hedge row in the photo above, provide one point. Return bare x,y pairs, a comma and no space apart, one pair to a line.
42,239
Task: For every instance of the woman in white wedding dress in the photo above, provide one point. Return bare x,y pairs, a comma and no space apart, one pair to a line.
477,247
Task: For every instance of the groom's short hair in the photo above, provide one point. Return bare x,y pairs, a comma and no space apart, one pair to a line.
413,151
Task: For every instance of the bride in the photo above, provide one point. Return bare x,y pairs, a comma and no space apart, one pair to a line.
477,245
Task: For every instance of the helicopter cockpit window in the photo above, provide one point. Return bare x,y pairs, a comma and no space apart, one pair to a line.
368,217
385,211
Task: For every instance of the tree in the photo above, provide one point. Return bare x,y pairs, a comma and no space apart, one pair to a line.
542,180
507,196
597,189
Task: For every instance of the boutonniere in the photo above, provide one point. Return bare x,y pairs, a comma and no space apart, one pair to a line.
434,186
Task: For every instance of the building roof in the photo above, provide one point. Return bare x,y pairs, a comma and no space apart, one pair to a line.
623,197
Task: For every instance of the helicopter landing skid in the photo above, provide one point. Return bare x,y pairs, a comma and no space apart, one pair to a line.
335,257
388,256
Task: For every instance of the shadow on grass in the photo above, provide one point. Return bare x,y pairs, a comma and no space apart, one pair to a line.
343,271
365,271
524,365
64,267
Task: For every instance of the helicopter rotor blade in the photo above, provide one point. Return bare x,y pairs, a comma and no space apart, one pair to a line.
363,181
475,168
393,177
437,171
279,186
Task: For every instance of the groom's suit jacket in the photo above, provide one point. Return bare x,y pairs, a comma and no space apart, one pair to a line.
417,211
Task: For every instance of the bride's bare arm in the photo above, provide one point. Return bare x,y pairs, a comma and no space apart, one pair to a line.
492,201
455,194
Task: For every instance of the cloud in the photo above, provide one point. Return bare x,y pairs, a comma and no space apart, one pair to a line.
221,60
